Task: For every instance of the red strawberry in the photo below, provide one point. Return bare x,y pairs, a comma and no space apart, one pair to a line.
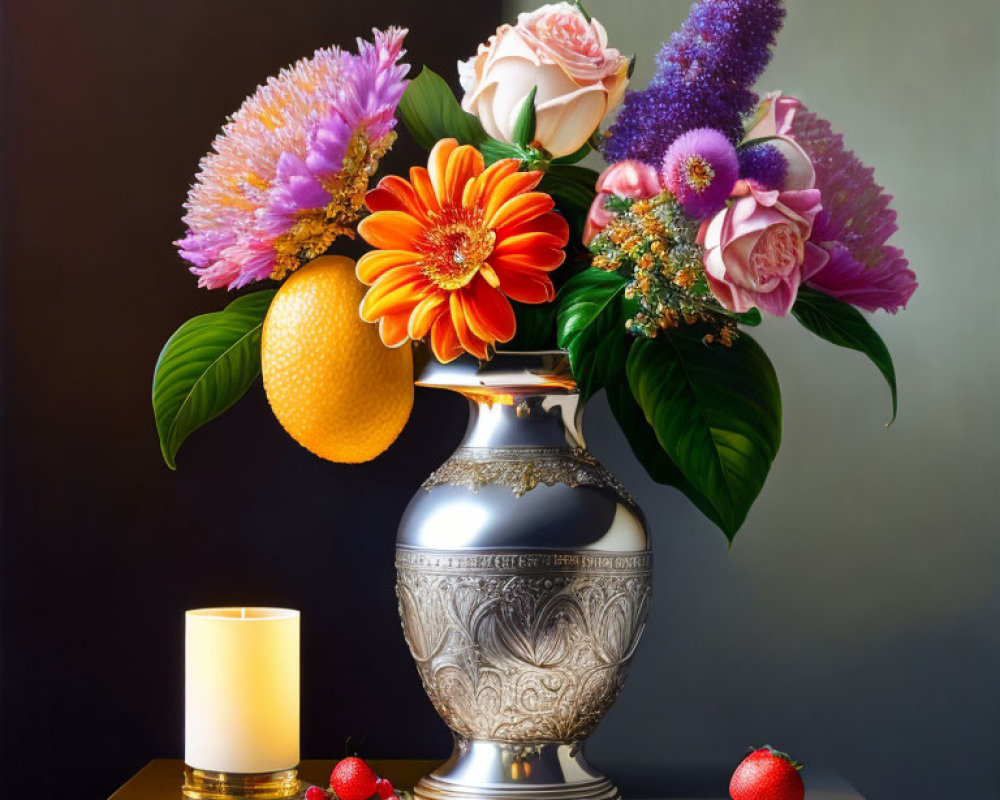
316,793
353,779
767,774
384,789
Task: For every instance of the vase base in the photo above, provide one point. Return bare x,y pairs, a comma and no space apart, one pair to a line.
483,770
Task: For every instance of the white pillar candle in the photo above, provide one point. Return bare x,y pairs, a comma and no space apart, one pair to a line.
242,689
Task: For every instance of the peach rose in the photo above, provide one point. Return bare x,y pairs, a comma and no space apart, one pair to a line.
757,250
579,78
632,179
773,121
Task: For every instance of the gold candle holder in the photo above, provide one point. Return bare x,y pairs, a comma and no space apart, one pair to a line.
203,784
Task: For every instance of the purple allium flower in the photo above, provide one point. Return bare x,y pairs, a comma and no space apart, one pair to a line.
700,169
764,165
854,225
288,173
703,79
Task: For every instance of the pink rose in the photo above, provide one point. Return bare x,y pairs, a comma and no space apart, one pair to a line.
631,179
773,121
579,78
757,250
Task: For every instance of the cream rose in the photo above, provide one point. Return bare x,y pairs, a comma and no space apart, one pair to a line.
579,78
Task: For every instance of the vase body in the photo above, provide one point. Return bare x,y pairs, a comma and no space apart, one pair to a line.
524,579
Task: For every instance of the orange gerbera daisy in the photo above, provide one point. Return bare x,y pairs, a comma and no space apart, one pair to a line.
454,243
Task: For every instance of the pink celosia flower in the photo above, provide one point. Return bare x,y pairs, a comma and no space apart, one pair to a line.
288,173
854,225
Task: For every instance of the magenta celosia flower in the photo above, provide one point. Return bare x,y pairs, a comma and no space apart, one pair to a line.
700,169
288,173
854,225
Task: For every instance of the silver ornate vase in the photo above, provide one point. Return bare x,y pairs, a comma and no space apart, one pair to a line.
524,578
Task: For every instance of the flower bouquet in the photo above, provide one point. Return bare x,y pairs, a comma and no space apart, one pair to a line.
716,208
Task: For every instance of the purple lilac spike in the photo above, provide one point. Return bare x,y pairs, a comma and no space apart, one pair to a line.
764,165
703,79
854,225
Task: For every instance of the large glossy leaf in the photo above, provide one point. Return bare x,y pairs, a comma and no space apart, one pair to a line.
591,327
205,367
431,113
647,449
842,324
716,411
573,189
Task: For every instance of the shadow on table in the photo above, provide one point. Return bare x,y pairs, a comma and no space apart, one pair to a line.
690,782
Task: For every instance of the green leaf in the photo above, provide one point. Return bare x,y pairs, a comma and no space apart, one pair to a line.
750,318
205,367
573,190
842,324
716,411
431,113
582,10
647,449
524,126
591,327
579,155
494,151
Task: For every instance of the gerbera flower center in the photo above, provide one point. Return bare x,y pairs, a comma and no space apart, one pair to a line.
698,173
454,247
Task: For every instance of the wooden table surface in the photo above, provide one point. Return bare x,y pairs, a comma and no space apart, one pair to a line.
161,780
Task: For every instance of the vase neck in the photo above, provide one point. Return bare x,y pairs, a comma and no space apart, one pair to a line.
517,399
530,420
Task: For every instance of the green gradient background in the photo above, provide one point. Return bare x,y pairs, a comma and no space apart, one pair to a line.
855,621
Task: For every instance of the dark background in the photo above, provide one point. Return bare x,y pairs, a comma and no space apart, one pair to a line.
856,620
108,107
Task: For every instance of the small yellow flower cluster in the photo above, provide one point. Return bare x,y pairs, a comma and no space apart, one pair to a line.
654,242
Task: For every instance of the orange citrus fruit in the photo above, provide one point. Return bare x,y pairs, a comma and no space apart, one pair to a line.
332,384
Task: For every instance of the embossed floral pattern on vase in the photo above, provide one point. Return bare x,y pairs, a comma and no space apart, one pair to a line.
526,647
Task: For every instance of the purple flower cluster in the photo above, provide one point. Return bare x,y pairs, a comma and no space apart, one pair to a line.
700,169
703,79
854,225
764,165
288,173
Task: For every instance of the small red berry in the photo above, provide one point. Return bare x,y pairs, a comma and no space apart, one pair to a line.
384,789
353,779
767,774
316,793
